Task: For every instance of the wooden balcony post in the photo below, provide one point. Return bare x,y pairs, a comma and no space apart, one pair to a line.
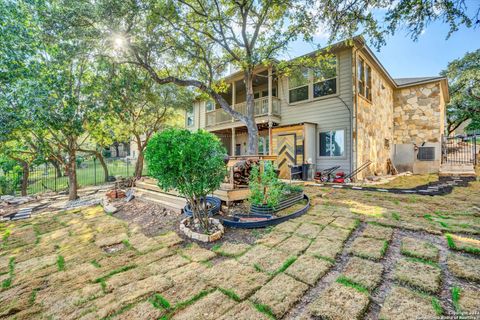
234,97
270,98
232,152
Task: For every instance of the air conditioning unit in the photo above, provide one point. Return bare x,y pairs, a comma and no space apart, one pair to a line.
426,153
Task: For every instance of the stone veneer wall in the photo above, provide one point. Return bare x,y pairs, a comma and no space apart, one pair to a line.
375,126
418,114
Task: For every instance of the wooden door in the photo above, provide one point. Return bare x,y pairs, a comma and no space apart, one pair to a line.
286,145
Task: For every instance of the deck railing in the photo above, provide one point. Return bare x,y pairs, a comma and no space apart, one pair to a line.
219,116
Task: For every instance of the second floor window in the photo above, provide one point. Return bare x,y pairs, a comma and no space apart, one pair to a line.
305,84
364,79
190,118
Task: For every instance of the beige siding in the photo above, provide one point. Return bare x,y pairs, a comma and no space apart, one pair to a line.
328,113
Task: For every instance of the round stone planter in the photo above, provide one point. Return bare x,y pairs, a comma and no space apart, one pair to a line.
200,236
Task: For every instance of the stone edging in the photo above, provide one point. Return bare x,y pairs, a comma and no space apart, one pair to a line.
200,236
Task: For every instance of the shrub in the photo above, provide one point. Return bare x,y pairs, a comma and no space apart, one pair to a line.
266,188
193,163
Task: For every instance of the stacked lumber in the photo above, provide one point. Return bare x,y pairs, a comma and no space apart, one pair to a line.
241,171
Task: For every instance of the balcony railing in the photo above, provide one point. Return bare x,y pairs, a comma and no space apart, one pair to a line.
219,116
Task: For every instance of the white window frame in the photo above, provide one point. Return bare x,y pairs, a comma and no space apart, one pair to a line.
311,82
190,114
206,104
345,133
366,80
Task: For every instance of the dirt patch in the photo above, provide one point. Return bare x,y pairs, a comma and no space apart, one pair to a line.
113,248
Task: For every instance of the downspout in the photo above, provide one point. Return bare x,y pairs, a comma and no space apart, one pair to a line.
351,131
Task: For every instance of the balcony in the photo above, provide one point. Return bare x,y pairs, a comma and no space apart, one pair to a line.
220,116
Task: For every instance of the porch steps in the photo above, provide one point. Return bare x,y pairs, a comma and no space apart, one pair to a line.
147,189
456,170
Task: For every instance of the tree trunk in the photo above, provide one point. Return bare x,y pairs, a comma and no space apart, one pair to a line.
252,129
25,174
58,170
139,165
103,164
72,175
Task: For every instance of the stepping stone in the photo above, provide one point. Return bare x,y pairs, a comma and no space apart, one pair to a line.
308,269
464,267
404,304
211,307
369,248
419,249
420,275
364,272
280,294
340,303
378,232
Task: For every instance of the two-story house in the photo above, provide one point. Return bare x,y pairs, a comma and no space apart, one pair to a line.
343,115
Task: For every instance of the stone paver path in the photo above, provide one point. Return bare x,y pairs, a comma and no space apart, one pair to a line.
329,263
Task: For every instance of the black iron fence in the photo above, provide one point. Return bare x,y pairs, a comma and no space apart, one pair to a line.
461,149
46,177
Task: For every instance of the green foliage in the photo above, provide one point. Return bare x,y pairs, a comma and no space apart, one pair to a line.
265,310
464,87
286,264
60,263
266,188
190,162
159,302
456,292
437,306
349,283
114,272
231,294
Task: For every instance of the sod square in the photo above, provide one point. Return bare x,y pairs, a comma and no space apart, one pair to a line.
378,232
325,248
339,302
235,277
468,302
345,223
322,220
308,230
280,294
294,245
195,253
287,227
168,239
184,288
405,304
369,248
142,310
469,245
210,307
272,239
244,311
265,259
464,267
419,249
308,269
364,272
334,233
417,274
231,249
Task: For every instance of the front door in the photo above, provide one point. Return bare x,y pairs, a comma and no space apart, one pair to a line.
286,153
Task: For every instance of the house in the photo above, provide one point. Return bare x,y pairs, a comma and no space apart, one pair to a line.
342,115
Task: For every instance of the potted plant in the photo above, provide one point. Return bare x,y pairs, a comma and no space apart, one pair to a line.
268,194
193,164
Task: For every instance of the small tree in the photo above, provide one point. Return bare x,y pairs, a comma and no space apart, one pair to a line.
191,163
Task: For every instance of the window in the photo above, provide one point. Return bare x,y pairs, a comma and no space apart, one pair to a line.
332,143
263,145
190,117
274,92
256,95
209,105
364,79
325,78
298,85
305,84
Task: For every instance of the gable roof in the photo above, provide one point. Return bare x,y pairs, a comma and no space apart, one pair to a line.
417,80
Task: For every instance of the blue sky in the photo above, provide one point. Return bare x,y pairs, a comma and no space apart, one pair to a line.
430,54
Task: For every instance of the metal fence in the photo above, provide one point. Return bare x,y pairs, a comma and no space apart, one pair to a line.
46,177
462,149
